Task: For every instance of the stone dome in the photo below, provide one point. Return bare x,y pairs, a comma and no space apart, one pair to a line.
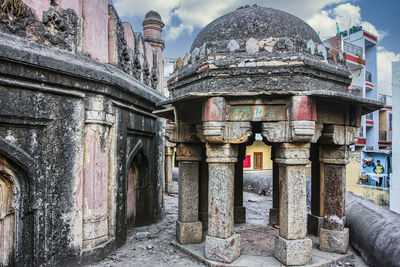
257,22
152,14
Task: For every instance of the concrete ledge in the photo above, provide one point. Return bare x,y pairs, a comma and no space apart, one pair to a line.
374,231
319,258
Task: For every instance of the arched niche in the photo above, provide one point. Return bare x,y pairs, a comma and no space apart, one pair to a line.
17,172
138,195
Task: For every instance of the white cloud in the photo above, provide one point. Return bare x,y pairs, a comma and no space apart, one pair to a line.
168,69
194,13
346,15
371,28
174,32
385,59
130,8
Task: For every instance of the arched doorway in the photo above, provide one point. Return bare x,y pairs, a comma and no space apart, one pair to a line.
17,172
138,199
8,205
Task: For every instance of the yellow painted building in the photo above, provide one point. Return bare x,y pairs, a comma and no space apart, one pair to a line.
258,150
379,195
259,157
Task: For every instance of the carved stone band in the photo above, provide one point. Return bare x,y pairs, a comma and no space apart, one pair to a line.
188,152
225,153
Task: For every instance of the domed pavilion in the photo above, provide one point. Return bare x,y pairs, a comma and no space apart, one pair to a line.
261,70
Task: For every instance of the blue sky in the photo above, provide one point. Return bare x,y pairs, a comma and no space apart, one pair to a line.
185,18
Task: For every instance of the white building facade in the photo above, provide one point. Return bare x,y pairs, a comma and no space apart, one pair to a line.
395,183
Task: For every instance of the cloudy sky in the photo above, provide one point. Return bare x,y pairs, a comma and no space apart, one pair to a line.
185,18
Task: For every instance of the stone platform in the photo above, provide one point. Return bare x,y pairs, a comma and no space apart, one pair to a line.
257,246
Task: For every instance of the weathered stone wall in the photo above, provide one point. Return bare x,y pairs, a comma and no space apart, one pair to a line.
86,27
71,127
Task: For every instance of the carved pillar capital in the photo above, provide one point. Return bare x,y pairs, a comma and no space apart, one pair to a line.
302,131
333,154
188,152
181,133
293,131
292,154
276,132
318,131
225,153
99,111
339,135
224,132
169,151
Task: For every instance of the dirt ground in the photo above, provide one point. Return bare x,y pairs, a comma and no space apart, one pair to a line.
156,248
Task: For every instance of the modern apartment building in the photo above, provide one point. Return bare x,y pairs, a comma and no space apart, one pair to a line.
360,48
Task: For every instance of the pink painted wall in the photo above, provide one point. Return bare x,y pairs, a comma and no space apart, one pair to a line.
128,34
131,193
75,5
301,108
149,55
112,42
95,29
213,110
160,71
38,6
95,189
140,48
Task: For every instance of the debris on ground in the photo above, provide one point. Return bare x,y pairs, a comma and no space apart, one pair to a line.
140,235
152,245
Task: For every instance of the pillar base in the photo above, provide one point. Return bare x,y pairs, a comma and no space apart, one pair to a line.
223,249
172,188
239,214
293,252
274,216
188,232
333,240
314,224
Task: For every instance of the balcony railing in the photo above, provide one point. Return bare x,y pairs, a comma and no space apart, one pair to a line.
385,99
351,48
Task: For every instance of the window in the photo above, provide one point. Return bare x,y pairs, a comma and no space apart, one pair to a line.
258,160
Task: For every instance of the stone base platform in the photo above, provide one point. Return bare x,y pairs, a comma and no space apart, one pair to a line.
257,248
319,258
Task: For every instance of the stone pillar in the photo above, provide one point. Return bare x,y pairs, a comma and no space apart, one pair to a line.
203,191
239,210
170,187
221,243
315,219
292,247
334,237
188,227
274,212
96,164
